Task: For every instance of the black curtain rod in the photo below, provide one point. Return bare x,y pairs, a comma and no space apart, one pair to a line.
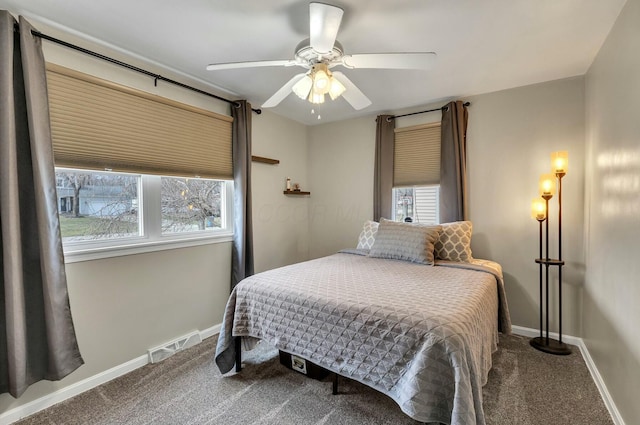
156,77
423,112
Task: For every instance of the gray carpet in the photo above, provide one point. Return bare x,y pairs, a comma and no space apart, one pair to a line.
526,387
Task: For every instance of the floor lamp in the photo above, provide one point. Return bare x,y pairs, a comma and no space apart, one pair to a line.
540,211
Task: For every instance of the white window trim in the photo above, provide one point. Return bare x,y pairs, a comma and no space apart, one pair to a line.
89,254
153,240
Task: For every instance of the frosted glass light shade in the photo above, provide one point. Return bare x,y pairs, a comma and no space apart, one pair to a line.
336,89
321,82
303,87
538,209
560,162
316,98
547,185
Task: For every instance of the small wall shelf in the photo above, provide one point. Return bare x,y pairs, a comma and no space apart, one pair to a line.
296,192
265,160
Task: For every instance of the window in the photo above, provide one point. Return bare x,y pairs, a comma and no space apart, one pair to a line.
97,206
169,163
106,210
417,204
191,205
416,174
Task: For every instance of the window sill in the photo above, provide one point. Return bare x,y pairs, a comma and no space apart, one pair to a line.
75,254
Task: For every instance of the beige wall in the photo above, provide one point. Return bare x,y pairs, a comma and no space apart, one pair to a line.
341,159
281,233
511,135
123,306
612,234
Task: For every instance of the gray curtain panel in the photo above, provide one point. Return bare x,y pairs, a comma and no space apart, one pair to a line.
383,169
242,254
37,337
453,163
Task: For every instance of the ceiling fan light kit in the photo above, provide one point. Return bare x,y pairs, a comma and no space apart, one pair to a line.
320,53
317,83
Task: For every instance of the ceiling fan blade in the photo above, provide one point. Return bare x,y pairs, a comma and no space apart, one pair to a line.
283,92
324,22
352,94
250,64
423,61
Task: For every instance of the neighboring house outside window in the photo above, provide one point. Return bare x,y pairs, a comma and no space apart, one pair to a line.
416,174
417,204
100,209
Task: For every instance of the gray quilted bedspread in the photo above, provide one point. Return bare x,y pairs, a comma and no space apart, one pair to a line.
423,335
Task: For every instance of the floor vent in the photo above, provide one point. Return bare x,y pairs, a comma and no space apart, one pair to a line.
167,350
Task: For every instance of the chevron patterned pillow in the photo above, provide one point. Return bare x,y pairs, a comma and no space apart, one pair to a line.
368,235
454,243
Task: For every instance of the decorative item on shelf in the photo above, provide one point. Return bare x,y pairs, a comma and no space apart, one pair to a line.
540,212
288,187
294,189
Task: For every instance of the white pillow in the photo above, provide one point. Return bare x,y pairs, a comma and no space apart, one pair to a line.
368,235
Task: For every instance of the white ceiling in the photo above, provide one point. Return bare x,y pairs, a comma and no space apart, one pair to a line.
482,45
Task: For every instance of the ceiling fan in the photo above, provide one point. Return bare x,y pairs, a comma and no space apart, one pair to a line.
322,52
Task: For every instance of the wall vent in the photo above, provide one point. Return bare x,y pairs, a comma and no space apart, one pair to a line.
168,349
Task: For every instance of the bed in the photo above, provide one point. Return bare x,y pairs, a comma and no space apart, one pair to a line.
421,333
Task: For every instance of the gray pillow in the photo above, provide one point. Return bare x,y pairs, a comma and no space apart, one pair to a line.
405,241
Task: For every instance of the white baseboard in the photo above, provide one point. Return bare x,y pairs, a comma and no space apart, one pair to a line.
73,390
532,333
595,374
209,332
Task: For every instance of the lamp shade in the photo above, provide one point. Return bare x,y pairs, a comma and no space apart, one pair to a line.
538,209
302,87
321,79
336,89
560,162
547,185
316,98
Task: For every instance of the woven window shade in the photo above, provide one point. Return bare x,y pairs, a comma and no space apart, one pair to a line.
417,155
100,125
